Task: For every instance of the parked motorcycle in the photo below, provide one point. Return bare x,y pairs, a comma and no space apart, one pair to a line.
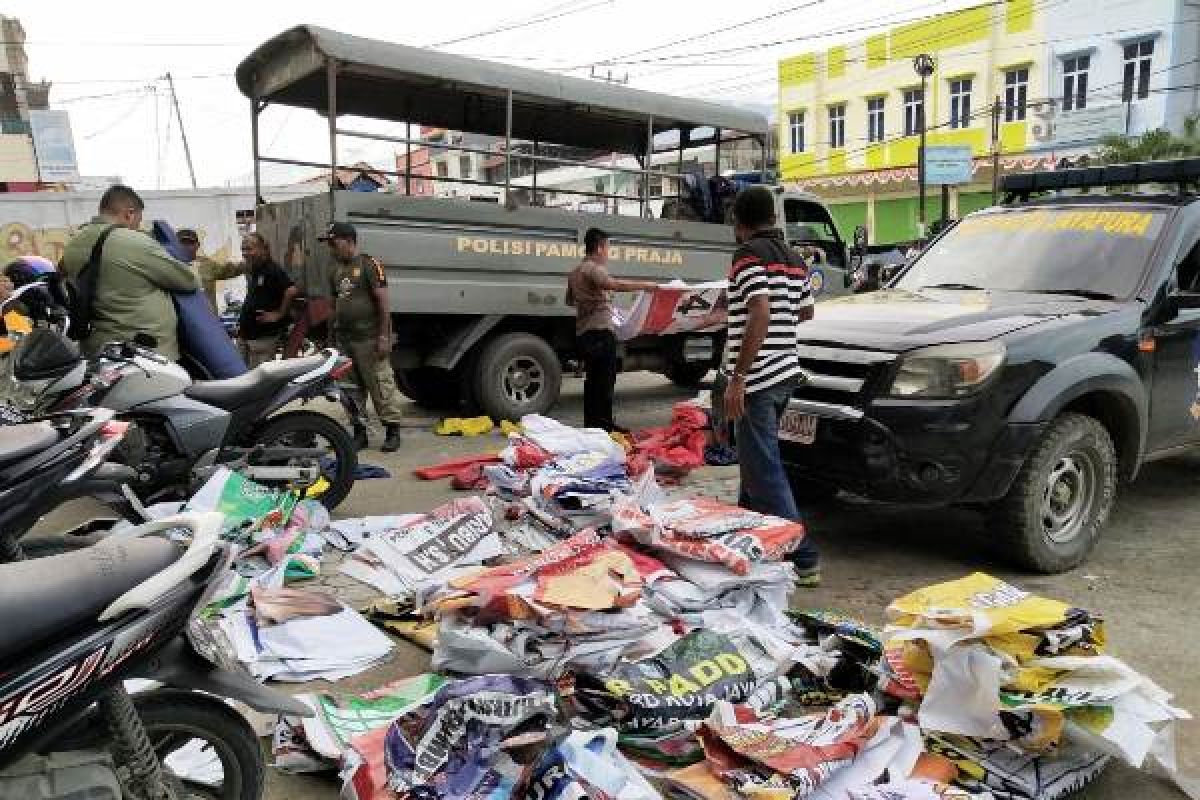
80,624
51,461
185,430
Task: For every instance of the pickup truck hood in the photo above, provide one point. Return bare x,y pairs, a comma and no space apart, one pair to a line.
897,320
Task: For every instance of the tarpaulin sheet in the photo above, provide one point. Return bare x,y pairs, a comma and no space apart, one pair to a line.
676,307
452,743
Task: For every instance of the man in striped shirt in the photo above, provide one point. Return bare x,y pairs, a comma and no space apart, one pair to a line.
769,297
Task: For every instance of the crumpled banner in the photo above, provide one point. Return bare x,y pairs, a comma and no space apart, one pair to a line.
1009,774
847,746
709,530
683,682
396,559
452,744
339,718
245,504
974,653
587,764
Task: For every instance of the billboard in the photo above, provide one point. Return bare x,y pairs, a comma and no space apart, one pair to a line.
949,164
54,145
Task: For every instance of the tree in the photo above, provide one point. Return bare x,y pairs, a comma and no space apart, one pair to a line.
1154,145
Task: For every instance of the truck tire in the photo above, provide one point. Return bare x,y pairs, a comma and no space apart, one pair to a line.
428,387
1053,513
517,374
687,374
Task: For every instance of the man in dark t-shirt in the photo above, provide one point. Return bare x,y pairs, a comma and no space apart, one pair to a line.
269,295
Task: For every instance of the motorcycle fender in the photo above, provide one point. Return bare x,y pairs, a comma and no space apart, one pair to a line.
179,666
312,390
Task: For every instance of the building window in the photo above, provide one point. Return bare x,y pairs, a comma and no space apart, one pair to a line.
914,111
875,119
837,126
1016,92
1137,70
960,103
796,132
442,171
1075,81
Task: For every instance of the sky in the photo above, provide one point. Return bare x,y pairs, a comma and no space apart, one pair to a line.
106,64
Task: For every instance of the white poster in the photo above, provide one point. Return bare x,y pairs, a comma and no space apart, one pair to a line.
55,146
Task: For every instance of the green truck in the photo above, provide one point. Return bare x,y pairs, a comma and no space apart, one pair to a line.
478,288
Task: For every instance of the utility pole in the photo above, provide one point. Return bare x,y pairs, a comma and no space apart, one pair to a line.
996,151
187,151
924,65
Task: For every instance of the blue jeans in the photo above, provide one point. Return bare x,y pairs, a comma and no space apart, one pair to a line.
764,484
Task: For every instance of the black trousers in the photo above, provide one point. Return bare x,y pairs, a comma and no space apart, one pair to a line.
599,350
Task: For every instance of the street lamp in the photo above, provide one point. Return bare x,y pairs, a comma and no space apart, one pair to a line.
924,65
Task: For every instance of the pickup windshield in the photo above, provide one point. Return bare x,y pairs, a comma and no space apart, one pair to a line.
1087,251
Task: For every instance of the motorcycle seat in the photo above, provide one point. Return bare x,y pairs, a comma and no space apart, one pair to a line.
257,384
44,598
21,441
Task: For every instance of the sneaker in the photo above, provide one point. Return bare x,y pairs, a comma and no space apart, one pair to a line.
360,437
808,577
391,442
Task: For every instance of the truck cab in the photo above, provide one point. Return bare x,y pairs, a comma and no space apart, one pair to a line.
1026,361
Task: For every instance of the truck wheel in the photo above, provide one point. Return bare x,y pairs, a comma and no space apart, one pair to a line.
517,374
428,387
687,375
1052,515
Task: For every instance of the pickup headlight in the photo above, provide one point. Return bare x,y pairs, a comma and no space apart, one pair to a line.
948,370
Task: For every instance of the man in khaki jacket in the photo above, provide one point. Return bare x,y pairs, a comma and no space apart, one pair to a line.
134,279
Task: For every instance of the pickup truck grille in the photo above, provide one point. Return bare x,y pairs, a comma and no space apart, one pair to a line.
841,376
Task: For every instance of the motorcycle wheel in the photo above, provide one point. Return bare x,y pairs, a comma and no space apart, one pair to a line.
300,429
204,745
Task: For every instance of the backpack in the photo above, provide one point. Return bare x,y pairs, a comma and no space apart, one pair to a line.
81,291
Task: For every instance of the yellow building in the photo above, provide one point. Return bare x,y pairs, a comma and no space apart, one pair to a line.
850,116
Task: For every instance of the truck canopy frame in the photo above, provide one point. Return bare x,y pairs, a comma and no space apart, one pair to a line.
336,74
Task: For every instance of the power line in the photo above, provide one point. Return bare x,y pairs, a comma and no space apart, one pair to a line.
84,43
523,24
987,111
140,80
879,22
122,117
705,35
789,40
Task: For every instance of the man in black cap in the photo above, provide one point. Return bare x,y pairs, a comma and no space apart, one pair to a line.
363,328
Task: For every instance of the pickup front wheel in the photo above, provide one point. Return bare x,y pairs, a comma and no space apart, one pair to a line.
1052,515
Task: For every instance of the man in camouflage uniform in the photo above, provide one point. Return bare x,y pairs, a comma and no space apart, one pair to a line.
363,329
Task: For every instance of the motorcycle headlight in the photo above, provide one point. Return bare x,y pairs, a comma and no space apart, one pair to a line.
947,371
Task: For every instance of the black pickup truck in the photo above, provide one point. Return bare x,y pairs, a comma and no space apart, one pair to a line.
1033,356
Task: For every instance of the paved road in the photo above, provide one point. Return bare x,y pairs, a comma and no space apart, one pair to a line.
1142,577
